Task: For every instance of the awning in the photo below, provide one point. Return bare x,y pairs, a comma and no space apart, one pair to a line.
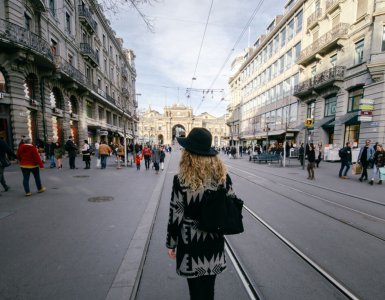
129,136
120,134
324,121
348,119
276,132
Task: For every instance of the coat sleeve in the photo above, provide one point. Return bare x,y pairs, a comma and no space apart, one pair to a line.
36,157
175,215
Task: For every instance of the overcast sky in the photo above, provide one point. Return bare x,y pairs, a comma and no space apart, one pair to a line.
166,59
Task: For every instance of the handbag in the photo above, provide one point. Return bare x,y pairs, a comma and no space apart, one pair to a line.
357,169
221,213
381,172
4,162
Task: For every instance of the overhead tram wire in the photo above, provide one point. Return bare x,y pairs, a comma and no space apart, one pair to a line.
201,46
235,45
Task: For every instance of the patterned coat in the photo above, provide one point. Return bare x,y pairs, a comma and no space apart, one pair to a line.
198,253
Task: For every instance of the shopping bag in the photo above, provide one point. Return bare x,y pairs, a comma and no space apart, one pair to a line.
356,169
98,163
382,173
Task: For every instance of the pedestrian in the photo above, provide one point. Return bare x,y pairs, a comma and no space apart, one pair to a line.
71,148
5,153
155,157
162,157
30,162
318,154
97,154
40,147
378,162
86,154
201,172
301,154
147,156
104,152
120,155
346,160
364,158
50,153
311,161
58,155
138,158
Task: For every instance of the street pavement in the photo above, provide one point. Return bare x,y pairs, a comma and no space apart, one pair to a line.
59,245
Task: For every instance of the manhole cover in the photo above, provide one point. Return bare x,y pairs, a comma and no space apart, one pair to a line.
100,199
82,176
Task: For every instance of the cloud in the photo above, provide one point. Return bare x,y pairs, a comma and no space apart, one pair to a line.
166,59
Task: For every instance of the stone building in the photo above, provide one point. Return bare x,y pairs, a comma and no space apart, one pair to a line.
333,78
63,72
178,120
263,108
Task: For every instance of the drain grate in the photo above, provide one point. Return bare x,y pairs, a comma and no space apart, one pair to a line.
82,176
100,199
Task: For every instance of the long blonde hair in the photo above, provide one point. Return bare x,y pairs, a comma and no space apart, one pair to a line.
197,171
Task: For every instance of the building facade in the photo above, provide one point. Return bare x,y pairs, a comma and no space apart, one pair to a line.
63,72
178,120
263,108
327,71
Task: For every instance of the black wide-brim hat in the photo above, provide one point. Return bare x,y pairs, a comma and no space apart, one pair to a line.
198,142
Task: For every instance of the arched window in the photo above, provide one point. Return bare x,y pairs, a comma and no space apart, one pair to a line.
2,83
30,86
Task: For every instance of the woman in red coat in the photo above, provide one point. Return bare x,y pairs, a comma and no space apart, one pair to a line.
30,162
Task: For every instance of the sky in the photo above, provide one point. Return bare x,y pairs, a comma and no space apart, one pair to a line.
168,58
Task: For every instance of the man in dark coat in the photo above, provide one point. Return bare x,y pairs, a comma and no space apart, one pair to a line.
346,160
71,148
4,150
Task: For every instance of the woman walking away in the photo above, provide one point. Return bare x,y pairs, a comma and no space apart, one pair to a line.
30,161
58,155
86,154
378,162
162,157
311,161
156,158
201,172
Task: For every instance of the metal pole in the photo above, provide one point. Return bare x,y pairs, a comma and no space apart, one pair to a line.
304,150
284,152
125,141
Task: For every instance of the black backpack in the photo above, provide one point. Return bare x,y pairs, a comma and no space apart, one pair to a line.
221,213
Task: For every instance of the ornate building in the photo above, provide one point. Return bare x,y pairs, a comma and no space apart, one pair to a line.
178,120
63,72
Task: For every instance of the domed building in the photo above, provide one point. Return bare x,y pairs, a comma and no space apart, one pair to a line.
177,120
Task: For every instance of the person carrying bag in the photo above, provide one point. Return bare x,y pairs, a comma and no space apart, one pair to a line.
200,189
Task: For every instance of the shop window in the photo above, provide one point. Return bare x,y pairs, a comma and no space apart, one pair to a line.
352,134
354,99
330,106
359,54
29,87
2,83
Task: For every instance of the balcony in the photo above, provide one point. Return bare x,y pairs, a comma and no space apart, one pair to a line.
70,71
332,5
15,34
324,44
86,19
312,20
110,99
320,81
89,54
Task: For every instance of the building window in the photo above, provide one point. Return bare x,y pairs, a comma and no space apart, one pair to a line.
2,83
115,120
290,30
293,112
333,60
89,109
68,23
383,39
299,20
310,110
101,113
54,48
108,116
283,37
27,21
51,5
354,99
297,49
352,134
70,58
359,55
330,106
104,40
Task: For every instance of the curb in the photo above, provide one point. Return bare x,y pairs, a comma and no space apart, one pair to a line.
126,282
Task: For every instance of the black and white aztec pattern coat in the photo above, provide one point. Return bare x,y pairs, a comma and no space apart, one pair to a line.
198,253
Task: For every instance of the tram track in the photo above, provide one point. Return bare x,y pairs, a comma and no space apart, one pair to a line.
346,222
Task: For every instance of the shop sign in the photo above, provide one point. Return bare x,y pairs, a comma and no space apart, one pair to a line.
375,124
366,113
309,122
366,107
103,132
367,101
365,118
